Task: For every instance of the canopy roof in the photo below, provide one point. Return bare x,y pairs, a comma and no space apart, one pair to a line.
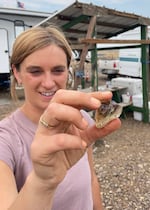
75,20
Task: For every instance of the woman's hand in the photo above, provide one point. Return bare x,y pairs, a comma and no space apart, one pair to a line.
63,134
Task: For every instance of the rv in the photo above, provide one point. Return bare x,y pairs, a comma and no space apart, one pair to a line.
12,23
108,63
127,62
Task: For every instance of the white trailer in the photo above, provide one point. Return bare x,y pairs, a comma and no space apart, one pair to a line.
12,23
128,62
109,66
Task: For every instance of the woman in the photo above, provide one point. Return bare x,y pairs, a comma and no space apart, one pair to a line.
45,152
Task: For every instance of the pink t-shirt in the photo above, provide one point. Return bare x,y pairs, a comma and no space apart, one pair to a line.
16,135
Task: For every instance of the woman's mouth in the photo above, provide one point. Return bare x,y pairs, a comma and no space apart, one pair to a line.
48,93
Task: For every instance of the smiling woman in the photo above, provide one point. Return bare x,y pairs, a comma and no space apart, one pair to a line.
46,143
39,38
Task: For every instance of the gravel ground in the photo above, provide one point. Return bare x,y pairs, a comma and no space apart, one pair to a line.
121,162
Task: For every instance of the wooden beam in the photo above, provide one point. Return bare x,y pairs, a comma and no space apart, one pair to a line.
113,41
88,36
85,49
80,47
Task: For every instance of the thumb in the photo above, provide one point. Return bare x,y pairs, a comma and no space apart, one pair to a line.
91,134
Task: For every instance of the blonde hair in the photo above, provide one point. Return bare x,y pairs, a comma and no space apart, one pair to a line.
34,39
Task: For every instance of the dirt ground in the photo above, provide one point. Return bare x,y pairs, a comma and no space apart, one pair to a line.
122,163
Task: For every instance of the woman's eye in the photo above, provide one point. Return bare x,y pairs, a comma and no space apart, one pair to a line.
35,72
58,70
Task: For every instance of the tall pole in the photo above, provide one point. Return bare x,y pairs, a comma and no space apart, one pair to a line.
145,74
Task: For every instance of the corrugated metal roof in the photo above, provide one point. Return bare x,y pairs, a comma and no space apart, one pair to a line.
74,20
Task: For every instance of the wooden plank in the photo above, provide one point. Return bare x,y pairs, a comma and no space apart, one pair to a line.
85,50
114,41
88,36
80,47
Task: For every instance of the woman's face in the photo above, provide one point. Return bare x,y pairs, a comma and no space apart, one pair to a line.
43,73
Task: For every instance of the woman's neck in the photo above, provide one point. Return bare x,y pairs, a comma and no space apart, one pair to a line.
31,112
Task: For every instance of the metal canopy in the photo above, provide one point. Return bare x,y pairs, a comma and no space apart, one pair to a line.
74,21
85,25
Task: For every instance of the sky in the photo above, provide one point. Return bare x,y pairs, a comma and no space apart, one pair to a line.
139,7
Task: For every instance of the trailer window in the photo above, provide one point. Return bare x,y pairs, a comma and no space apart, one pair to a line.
19,27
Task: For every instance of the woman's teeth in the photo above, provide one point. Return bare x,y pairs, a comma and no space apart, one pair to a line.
47,93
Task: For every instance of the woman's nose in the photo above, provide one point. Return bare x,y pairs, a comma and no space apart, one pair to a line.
48,81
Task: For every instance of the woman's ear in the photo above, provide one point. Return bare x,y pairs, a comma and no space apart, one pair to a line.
16,74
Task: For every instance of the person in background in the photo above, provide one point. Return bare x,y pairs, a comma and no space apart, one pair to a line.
46,144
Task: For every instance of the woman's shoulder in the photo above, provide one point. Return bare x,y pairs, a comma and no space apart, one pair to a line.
8,121
16,128
9,140
17,121
16,136
9,129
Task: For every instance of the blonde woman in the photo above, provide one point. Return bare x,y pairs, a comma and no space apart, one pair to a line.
45,145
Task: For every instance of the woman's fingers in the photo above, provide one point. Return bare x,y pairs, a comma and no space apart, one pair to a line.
102,96
62,113
86,137
92,134
64,109
52,156
80,99
60,142
59,116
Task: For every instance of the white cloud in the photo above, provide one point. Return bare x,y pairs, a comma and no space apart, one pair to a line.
8,3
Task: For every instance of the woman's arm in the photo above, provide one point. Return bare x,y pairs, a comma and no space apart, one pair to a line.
54,151
97,201
32,196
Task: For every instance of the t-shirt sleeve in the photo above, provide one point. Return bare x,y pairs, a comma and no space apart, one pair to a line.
7,148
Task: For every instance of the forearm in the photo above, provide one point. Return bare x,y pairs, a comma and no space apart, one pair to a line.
33,195
97,201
